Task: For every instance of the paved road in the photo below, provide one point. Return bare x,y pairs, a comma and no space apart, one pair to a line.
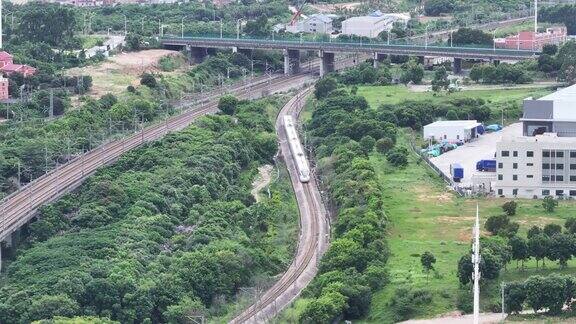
470,153
111,43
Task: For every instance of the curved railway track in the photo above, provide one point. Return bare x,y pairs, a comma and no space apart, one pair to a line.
19,207
314,229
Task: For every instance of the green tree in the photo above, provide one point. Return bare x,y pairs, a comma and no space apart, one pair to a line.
367,143
412,71
46,307
468,36
549,204
227,104
427,260
509,207
552,229
148,80
519,249
538,247
384,144
324,86
561,249
133,41
440,81
534,230
570,225
514,297
398,157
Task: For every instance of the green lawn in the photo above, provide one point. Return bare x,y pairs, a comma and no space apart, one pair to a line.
91,40
424,216
377,95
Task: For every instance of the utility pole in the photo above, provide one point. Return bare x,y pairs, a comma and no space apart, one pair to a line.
535,17
503,302
1,45
476,263
125,25
51,113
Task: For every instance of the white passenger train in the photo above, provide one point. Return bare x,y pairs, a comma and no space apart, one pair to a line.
296,149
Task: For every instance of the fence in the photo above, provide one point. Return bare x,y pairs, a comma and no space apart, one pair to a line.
434,168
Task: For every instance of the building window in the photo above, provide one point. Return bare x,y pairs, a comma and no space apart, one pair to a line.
529,176
529,153
500,165
499,192
514,177
573,178
545,192
545,153
559,166
500,177
573,154
559,192
505,153
529,164
572,193
546,166
515,153
545,178
560,154
514,165
515,192
559,178
572,166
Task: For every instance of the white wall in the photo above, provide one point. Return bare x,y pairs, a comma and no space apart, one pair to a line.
449,133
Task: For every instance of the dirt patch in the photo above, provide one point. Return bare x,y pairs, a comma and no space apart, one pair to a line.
261,181
330,8
424,194
455,219
539,221
121,70
465,234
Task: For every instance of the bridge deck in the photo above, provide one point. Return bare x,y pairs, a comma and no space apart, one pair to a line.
340,46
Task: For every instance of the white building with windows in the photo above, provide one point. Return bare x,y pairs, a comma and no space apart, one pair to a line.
451,130
541,162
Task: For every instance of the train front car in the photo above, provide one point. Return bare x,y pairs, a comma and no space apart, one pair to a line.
296,148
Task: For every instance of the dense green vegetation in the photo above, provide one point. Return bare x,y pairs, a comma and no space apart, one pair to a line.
344,132
170,229
565,14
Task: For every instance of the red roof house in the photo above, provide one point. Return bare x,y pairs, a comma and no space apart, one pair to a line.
7,66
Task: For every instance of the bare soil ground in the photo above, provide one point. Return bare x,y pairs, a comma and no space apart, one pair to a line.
121,70
261,181
330,7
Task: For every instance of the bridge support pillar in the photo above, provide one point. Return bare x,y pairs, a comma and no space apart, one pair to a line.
197,54
496,62
421,59
291,61
378,58
327,64
457,65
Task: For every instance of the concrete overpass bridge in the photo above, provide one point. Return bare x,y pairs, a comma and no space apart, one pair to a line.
198,47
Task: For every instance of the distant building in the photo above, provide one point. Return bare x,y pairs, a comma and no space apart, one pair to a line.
372,25
451,130
8,67
222,3
4,94
542,160
529,40
317,23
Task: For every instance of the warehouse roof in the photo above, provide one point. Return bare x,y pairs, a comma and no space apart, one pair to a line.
566,94
455,123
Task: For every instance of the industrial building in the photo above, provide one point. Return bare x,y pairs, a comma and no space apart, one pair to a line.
542,160
529,40
452,130
316,23
373,24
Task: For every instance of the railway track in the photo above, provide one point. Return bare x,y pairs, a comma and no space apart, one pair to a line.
313,241
19,207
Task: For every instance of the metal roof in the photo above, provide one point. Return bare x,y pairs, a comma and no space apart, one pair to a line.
455,123
566,94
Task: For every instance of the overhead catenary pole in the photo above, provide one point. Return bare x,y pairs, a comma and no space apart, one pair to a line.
1,46
535,16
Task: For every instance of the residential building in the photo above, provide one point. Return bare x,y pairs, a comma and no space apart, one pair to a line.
542,160
4,94
452,130
373,24
317,23
529,40
8,67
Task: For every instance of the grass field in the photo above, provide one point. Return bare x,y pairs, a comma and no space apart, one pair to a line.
377,95
425,216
